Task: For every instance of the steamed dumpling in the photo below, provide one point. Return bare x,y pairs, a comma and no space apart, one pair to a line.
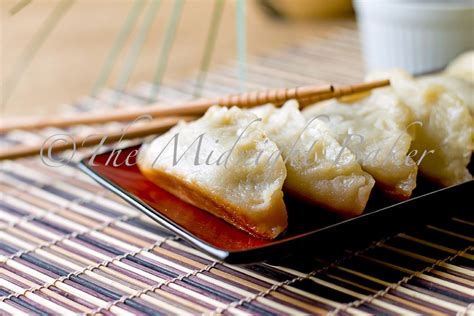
319,169
226,179
462,67
374,128
447,130
462,89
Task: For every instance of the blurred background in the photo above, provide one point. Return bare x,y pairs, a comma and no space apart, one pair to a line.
67,63
56,51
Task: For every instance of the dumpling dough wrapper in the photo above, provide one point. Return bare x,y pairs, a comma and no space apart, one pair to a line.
319,169
464,90
227,180
462,67
375,127
447,126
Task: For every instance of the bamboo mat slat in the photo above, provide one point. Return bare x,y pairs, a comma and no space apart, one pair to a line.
69,246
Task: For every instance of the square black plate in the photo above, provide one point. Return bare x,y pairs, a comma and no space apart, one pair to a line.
309,228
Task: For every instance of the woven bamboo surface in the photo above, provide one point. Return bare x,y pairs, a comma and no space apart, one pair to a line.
69,246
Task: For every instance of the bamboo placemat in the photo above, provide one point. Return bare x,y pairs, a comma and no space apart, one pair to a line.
69,246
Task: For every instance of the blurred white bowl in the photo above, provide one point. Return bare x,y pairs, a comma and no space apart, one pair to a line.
419,36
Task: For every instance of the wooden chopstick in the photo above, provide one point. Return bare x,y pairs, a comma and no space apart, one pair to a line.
159,110
63,121
161,124
343,91
155,126
198,107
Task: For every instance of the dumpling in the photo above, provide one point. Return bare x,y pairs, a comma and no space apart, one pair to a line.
375,129
319,169
462,67
212,163
464,90
446,131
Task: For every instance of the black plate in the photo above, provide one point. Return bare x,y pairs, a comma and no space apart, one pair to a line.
309,228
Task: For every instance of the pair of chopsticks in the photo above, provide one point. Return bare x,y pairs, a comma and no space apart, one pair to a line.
164,116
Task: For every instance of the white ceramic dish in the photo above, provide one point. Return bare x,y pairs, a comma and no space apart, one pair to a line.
419,36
